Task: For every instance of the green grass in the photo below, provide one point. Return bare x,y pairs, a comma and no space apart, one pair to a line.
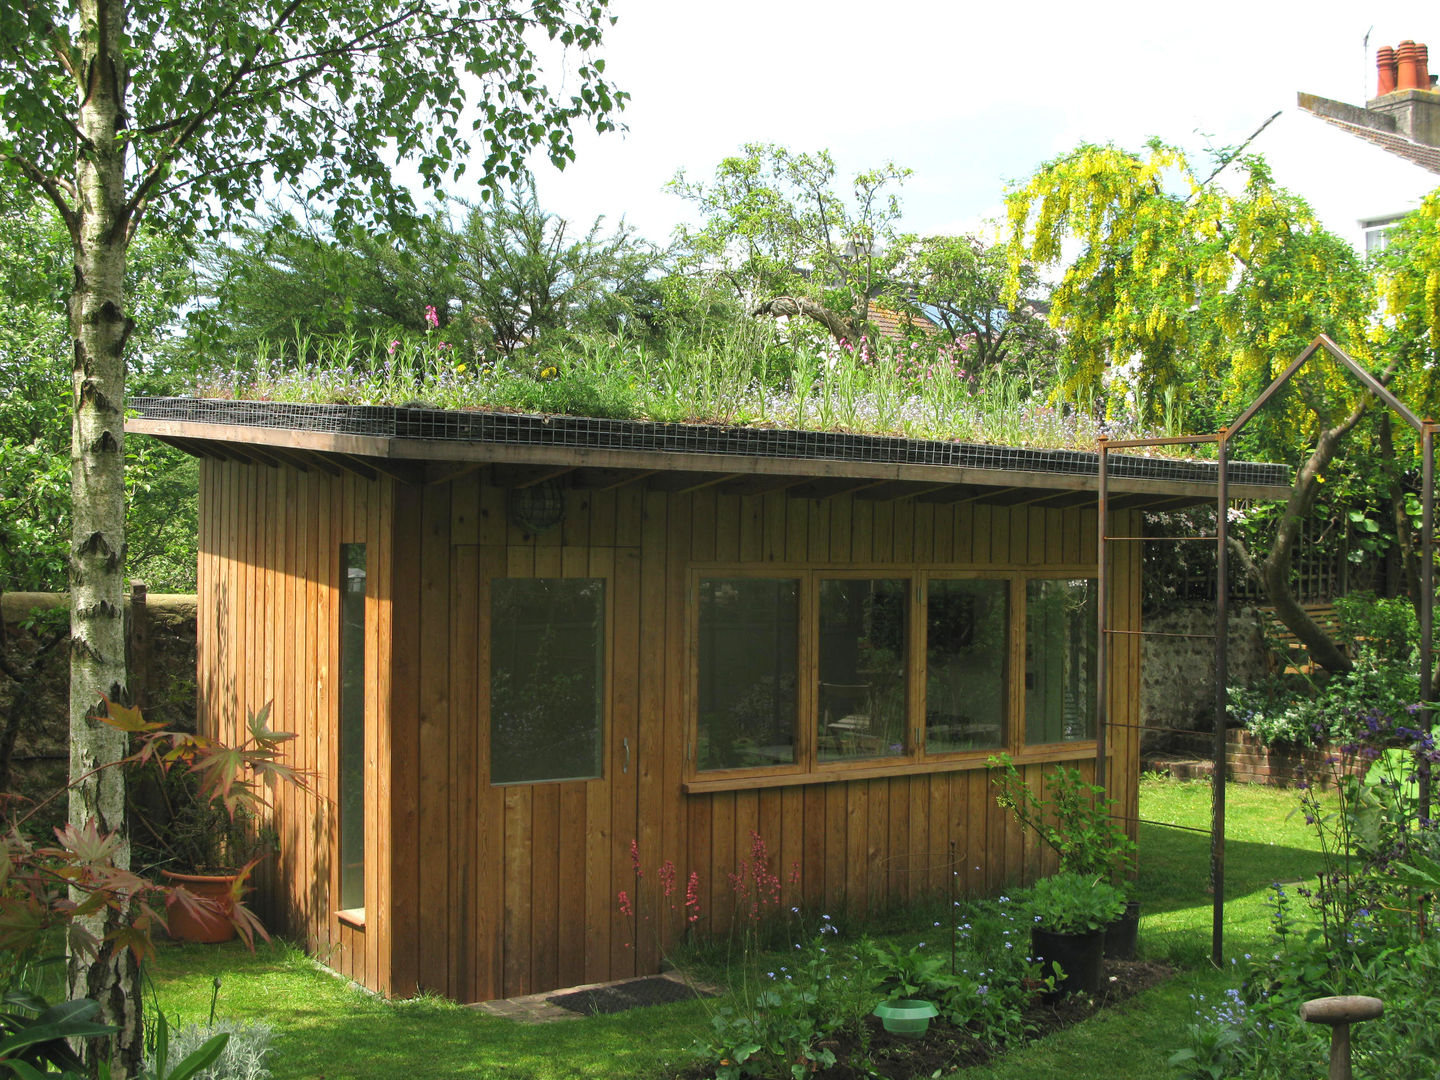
327,1028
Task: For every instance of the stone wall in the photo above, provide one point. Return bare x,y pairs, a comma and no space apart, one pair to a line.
162,664
1178,672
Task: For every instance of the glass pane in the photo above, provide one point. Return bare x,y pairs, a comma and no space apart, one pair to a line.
352,726
1060,660
862,668
748,640
967,627
546,678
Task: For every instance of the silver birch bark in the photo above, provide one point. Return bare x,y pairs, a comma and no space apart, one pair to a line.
99,327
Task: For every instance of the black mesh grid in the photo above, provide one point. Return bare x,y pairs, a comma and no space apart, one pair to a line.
515,428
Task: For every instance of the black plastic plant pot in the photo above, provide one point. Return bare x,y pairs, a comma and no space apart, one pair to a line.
1120,935
1081,957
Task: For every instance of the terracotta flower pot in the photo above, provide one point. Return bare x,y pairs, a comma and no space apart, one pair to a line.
209,922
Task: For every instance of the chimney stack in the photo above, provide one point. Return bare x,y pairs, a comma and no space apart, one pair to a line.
1403,92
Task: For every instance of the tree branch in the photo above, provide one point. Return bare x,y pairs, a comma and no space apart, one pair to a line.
56,189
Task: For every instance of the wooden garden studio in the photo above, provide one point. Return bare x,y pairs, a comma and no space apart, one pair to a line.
512,647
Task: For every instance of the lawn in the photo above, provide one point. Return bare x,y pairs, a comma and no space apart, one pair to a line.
330,1029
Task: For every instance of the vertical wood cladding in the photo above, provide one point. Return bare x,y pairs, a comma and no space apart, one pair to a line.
477,891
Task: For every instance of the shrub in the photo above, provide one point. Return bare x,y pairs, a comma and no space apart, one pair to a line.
245,1053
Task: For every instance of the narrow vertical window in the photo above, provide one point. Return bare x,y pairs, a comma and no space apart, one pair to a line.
967,635
547,678
351,778
862,693
1060,660
748,656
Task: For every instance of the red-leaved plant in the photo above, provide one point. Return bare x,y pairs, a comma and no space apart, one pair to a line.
44,886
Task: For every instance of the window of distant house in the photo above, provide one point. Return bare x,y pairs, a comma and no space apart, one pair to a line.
748,642
1060,633
967,635
1377,233
351,773
547,679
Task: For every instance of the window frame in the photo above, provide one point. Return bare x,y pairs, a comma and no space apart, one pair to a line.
807,768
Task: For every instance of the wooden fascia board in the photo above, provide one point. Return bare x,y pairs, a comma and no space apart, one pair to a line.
577,457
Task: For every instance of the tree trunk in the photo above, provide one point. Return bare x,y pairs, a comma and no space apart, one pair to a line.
841,328
1275,569
97,653
1404,535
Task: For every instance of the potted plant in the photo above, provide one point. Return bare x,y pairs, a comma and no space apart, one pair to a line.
1071,912
1075,820
204,843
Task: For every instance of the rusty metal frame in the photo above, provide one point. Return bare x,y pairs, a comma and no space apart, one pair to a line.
1426,430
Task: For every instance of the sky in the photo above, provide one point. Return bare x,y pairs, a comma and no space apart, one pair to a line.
970,96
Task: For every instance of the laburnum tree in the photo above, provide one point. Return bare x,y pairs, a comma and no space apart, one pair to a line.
180,111
789,240
1201,291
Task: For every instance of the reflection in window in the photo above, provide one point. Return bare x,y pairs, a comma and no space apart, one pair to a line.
748,640
967,626
546,678
1060,660
862,668
351,781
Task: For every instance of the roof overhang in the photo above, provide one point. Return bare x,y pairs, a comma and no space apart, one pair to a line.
427,446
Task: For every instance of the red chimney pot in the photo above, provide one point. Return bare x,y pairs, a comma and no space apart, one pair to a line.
1407,64
1385,65
1422,67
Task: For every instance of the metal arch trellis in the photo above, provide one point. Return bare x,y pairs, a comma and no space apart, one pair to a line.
1425,428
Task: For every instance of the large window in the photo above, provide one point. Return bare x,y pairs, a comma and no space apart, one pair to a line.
967,628
748,641
823,670
547,678
351,778
1060,634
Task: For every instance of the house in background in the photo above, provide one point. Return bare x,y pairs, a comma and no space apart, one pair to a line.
514,646
1396,138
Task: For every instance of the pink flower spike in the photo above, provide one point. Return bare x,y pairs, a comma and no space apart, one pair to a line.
431,317
625,908
393,346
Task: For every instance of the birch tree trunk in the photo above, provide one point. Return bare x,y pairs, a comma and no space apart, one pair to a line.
97,659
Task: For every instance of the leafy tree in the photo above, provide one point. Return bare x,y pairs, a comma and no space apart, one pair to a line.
35,350
1185,289
499,275
959,282
120,110
787,242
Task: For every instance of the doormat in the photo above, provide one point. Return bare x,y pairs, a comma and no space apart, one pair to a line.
631,994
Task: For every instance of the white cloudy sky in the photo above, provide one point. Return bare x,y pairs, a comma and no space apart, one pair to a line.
969,95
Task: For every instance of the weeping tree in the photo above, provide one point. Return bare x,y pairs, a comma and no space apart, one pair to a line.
1192,294
179,111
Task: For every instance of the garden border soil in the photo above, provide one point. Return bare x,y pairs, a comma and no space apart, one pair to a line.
945,1047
